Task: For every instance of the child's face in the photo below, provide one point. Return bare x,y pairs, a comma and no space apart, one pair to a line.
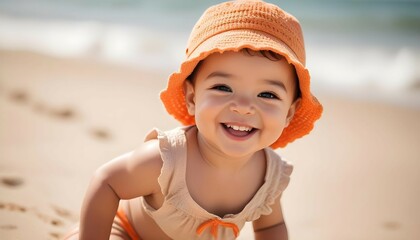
241,103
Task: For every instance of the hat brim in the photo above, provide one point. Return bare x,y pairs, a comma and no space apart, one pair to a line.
308,111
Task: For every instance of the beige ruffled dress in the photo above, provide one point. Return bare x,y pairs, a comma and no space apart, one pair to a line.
180,217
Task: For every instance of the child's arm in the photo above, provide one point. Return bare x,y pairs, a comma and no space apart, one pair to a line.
271,226
128,176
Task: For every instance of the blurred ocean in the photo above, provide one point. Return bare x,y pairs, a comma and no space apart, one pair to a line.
362,48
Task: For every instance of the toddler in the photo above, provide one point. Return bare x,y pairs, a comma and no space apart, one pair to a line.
242,91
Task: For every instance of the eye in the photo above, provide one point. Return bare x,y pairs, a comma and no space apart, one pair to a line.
268,95
222,88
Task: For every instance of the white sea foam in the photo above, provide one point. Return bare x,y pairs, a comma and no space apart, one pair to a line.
106,41
380,68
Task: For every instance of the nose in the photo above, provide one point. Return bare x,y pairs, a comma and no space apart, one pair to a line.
243,106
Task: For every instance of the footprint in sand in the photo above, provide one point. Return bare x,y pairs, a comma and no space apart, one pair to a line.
391,225
43,217
19,96
12,207
54,221
101,134
55,235
49,220
8,227
11,182
60,113
65,113
64,213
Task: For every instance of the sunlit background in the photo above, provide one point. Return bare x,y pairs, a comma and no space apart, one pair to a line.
351,44
79,83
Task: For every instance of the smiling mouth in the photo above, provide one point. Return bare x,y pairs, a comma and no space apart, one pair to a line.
238,131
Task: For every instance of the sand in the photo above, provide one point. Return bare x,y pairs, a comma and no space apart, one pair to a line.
356,176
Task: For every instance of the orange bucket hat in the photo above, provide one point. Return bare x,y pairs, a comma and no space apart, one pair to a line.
253,24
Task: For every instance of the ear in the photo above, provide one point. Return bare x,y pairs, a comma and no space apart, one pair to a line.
295,105
189,97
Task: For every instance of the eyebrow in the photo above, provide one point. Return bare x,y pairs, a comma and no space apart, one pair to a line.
277,83
219,74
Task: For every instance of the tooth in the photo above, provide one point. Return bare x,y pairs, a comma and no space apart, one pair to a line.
239,128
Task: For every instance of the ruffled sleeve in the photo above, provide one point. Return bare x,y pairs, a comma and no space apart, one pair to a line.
172,150
277,179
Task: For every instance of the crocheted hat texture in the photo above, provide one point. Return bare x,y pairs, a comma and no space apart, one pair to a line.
253,24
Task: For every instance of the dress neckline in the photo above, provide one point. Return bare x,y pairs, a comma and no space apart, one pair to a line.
203,212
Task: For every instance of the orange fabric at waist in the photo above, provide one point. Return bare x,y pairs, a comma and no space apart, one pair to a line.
126,225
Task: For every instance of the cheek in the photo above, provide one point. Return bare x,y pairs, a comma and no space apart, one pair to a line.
209,100
208,107
275,113
274,118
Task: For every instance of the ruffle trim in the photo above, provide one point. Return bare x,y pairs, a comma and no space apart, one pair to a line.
167,142
275,188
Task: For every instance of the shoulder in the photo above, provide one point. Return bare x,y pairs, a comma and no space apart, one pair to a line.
147,155
135,173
